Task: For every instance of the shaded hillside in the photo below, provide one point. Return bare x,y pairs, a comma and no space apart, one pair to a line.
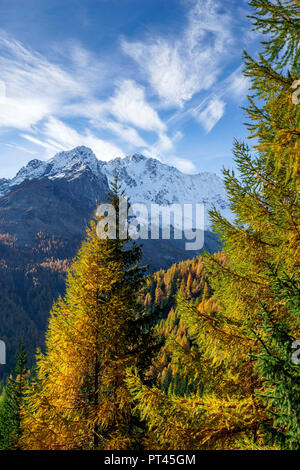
41,226
42,223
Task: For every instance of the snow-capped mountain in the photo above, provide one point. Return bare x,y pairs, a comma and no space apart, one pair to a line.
44,211
68,165
145,180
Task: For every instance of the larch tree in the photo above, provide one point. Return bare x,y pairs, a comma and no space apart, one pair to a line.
278,362
239,347
79,399
265,236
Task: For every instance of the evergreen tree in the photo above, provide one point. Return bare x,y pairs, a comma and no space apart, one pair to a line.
276,366
205,294
228,329
79,399
11,403
265,200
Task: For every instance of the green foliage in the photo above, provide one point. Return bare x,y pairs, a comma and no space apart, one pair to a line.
169,370
79,398
280,21
223,377
30,278
241,337
278,371
11,403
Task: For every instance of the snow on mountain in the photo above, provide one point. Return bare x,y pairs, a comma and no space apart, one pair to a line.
63,165
145,180
4,186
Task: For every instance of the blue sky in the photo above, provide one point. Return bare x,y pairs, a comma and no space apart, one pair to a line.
158,77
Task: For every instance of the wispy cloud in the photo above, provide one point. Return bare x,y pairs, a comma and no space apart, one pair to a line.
239,85
180,67
129,105
56,136
35,87
127,134
39,95
210,109
71,98
20,147
164,150
182,164
211,114
163,145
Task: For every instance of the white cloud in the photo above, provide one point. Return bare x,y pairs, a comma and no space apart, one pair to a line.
211,114
163,149
23,113
56,135
20,147
90,108
179,68
35,88
164,144
183,165
51,147
239,85
233,87
81,57
128,134
41,94
129,105
37,93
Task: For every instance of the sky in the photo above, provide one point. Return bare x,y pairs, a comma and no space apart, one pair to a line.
157,77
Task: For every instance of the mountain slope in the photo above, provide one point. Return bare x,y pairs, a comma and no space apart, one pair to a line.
145,180
64,165
54,206
43,214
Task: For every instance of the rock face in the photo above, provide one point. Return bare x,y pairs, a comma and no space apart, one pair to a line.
54,206
56,197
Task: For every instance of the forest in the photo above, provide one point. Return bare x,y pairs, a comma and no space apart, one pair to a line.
203,355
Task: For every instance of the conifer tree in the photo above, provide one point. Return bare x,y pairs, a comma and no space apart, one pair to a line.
205,294
277,366
79,399
11,403
238,372
265,200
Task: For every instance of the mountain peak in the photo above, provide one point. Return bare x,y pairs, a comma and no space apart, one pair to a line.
81,152
73,161
137,157
145,180
66,164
